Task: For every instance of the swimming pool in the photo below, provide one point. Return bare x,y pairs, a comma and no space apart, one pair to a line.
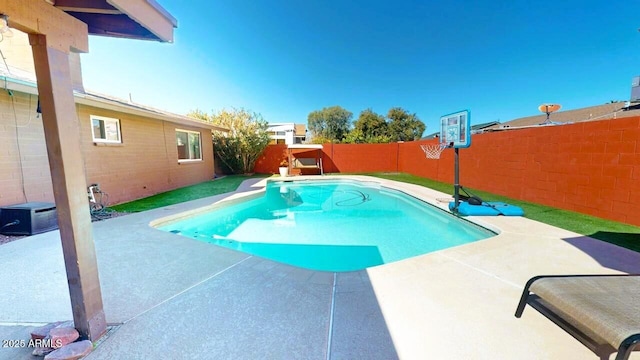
330,225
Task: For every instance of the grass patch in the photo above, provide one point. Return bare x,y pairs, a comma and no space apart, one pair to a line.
193,192
624,235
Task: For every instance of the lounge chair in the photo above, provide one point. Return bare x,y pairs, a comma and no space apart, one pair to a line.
600,311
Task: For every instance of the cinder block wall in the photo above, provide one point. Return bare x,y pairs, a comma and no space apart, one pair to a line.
24,165
363,157
270,159
336,158
144,164
589,167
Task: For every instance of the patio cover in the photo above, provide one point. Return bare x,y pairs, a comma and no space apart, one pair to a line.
131,19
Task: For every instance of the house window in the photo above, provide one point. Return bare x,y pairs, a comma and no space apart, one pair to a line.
105,129
188,143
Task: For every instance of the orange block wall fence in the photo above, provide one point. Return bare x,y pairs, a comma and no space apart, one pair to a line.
588,167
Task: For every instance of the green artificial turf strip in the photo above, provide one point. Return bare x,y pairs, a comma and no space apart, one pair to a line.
621,234
197,191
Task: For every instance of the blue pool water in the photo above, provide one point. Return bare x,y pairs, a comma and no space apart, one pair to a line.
331,225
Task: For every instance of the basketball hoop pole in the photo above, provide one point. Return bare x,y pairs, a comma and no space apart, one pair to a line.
455,132
456,179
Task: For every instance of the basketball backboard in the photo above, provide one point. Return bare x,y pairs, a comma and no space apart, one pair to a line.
456,128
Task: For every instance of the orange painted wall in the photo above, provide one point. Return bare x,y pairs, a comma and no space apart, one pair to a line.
589,167
336,158
270,159
365,157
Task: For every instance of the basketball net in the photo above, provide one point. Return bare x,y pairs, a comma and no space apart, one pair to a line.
433,151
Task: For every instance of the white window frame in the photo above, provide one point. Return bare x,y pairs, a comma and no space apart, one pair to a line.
200,145
105,119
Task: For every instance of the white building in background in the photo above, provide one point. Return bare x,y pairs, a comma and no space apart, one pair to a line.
287,133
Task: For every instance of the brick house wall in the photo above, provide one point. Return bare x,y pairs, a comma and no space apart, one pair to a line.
145,163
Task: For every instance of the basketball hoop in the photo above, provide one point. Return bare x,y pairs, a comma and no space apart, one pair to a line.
433,151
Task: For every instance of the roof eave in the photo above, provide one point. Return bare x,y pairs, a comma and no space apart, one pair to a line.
28,87
87,99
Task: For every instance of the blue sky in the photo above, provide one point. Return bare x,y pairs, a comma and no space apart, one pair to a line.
284,59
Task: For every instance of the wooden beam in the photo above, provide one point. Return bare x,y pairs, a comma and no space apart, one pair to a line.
61,125
53,34
38,17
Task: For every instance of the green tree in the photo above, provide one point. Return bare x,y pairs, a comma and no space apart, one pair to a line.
239,148
330,123
404,126
369,128
355,136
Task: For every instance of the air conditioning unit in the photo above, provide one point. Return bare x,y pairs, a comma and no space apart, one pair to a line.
28,218
635,89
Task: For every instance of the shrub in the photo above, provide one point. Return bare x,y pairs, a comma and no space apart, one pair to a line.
240,146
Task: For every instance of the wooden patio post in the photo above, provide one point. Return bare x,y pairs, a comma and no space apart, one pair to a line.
62,134
53,34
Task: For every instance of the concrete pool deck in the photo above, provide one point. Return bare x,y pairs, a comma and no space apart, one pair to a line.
170,297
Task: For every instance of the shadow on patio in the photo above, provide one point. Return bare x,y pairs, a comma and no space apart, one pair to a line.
359,327
615,258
